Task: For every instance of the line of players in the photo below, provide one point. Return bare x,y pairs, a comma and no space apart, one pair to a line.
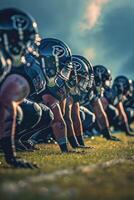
45,89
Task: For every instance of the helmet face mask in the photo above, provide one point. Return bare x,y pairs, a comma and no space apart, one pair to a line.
66,71
90,77
17,31
71,83
60,70
51,64
79,76
102,76
83,84
108,81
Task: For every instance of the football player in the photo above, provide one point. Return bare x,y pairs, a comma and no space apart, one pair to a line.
79,83
121,88
129,103
56,61
98,103
17,31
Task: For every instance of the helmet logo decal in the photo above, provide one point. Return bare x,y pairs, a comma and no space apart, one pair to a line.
58,51
100,70
20,22
77,65
121,83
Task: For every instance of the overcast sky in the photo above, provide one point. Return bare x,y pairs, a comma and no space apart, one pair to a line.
101,30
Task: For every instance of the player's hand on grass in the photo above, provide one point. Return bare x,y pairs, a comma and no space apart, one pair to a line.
21,163
85,147
113,138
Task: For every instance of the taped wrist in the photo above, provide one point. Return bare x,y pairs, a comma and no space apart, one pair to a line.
8,148
80,140
73,142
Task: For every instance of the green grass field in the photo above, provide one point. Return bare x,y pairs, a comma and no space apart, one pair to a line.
106,172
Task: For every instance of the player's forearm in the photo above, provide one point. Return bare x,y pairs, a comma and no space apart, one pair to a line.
100,114
122,113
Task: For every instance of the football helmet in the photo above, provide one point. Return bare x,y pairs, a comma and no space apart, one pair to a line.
121,85
79,77
101,75
90,70
56,59
17,31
